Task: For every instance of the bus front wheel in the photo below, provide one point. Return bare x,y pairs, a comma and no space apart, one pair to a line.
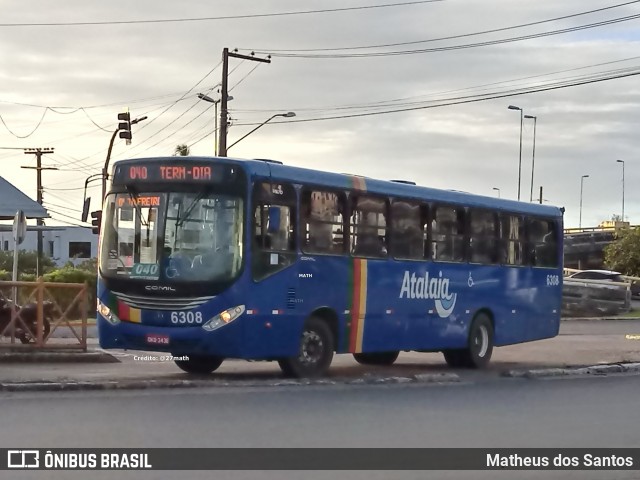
315,351
200,364
480,345
379,358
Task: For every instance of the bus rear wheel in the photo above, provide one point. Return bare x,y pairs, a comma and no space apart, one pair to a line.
315,351
480,345
200,364
379,358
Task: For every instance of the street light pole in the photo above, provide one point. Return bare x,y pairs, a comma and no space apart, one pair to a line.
498,190
622,162
581,186
206,98
513,107
533,157
286,115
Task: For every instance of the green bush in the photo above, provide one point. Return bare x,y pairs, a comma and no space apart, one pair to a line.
64,296
27,261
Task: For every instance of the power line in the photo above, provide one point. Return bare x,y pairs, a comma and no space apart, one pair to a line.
69,189
67,216
249,73
183,95
484,97
46,203
450,37
226,17
454,47
32,131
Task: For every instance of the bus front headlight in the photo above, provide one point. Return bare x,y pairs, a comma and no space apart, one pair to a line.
107,313
224,318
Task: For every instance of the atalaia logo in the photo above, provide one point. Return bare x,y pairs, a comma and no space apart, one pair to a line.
429,288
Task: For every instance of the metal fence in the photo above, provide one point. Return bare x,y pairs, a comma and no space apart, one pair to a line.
582,297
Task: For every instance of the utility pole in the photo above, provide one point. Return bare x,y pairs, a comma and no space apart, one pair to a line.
225,93
38,152
540,194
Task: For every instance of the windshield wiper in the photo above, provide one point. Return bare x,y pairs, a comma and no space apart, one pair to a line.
134,199
187,213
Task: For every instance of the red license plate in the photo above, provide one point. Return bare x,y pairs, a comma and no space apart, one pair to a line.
157,339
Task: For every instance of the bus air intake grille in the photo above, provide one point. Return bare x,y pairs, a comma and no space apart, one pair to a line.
291,298
161,303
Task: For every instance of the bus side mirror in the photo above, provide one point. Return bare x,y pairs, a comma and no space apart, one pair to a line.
274,220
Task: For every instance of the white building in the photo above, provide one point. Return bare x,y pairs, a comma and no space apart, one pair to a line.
62,244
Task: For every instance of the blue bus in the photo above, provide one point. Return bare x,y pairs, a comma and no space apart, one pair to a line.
214,258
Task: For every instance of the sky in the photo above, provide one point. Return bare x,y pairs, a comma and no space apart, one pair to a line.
157,70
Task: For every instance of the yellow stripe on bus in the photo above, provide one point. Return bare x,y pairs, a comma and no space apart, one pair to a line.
362,293
135,315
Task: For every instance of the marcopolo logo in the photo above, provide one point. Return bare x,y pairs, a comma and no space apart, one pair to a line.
429,288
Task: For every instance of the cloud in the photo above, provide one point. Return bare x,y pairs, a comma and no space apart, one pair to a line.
472,147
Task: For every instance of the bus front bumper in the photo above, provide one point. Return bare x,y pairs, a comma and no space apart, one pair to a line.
224,342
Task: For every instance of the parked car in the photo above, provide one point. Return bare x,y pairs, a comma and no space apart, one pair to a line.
607,275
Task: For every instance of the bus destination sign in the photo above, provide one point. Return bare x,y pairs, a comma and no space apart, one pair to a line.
169,173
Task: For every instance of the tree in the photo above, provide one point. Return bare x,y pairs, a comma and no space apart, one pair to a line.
181,151
27,261
623,254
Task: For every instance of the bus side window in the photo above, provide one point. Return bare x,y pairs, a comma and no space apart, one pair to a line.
448,234
274,246
513,239
407,232
322,218
482,237
369,227
542,243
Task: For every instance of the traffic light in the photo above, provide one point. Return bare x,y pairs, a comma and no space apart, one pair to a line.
124,126
96,220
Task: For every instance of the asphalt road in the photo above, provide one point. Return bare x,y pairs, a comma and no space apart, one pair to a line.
590,413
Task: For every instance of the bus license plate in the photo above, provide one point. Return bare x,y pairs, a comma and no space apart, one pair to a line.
157,339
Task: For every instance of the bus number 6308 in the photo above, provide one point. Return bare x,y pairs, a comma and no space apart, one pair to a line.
186,317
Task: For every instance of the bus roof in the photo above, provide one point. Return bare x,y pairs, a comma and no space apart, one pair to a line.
266,168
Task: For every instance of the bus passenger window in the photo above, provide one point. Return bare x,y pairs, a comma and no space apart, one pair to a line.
368,227
448,234
542,243
512,239
482,237
408,231
274,245
322,217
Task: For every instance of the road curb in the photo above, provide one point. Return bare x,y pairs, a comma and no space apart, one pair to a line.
596,319
48,386
57,357
574,371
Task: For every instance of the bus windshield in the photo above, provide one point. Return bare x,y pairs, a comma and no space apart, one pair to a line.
172,236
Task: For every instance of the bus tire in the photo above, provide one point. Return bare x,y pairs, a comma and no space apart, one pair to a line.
454,358
378,358
315,351
480,345
200,364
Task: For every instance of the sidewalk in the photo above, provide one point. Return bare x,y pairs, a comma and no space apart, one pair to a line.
578,345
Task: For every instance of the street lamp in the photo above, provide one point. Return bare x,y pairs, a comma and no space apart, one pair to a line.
498,190
533,158
206,98
581,185
286,115
513,107
622,162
